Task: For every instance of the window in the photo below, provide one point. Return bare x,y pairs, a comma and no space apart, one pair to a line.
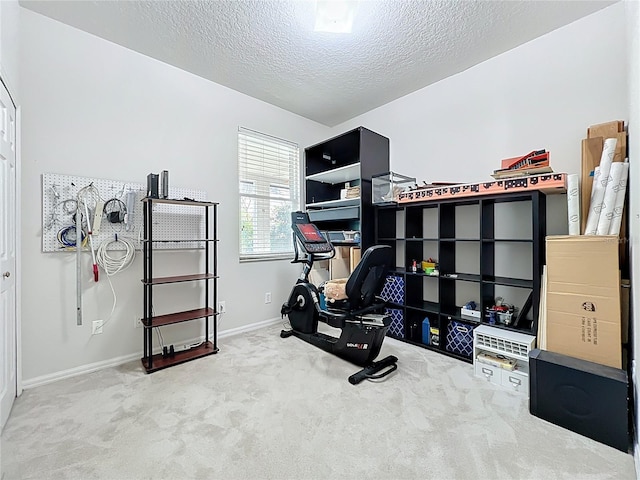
269,191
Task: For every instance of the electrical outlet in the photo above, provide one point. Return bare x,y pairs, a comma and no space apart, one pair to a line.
267,297
222,307
137,322
96,328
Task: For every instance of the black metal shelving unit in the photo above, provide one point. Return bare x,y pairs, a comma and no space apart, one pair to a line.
209,278
354,156
466,238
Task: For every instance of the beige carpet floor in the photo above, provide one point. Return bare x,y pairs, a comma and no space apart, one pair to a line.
272,408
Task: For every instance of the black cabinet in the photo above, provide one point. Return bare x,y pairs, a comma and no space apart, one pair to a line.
207,278
485,247
353,158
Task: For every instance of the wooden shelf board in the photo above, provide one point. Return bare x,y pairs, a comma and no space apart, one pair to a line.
177,317
158,363
182,240
176,201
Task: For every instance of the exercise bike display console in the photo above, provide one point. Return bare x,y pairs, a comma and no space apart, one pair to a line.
312,239
361,316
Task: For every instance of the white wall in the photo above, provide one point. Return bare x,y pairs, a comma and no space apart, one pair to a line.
633,40
9,45
543,94
95,109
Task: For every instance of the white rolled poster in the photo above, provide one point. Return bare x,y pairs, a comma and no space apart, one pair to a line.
616,219
573,203
600,180
608,203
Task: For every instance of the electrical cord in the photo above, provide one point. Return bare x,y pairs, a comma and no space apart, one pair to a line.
68,237
112,265
160,337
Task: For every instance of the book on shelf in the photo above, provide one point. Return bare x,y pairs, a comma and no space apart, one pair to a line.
524,172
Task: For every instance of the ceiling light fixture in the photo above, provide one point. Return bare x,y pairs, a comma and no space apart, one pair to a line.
335,16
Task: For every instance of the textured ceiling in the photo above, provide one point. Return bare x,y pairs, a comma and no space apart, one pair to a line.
268,49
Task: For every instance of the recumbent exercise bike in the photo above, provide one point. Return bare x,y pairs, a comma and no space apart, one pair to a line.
361,316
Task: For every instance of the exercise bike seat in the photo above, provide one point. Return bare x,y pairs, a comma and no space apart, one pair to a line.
362,288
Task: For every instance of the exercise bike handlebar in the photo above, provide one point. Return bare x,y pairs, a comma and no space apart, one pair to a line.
309,257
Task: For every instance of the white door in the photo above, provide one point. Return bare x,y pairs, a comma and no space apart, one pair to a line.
7,254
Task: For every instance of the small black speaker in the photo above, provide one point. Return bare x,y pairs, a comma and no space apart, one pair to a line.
152,185
164,184
581,396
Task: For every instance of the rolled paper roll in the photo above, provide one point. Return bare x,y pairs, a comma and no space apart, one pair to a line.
616,218
610,193
573,203
601,179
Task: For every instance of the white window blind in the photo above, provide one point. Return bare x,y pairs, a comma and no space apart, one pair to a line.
269,189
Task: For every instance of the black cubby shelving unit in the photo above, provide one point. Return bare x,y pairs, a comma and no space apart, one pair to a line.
485,246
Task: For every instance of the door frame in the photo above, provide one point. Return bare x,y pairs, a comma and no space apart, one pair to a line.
18,230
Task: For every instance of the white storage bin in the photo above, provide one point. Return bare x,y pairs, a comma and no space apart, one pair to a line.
489,372
508,344
517,381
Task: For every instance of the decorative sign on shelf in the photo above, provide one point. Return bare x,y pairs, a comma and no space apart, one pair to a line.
553,183
120,210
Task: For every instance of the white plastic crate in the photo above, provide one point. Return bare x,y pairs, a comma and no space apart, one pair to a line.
506,343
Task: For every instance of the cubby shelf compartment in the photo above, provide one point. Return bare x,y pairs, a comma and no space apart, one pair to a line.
337,175
429,307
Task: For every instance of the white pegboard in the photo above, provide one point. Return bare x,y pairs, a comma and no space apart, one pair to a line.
170,222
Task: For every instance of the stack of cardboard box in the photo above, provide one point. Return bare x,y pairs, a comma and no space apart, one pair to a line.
582,314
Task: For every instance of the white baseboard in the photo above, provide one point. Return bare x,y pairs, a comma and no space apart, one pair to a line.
114,362
74,372
249,328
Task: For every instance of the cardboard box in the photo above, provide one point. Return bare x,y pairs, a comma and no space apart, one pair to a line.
344,262
339,268
582,302
354,257
319,273
606,130
591,154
